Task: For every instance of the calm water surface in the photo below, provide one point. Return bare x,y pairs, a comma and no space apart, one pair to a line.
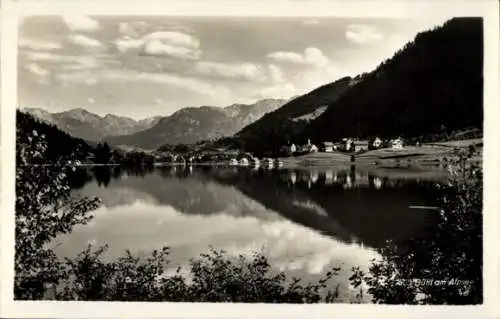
306,221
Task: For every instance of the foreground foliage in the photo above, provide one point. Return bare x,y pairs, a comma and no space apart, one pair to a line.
445,267
45,209
214,277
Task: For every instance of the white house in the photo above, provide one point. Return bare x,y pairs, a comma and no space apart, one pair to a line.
244,161
347,144
267,162
360,146
376,143
397,143
255,161
309,148
328,146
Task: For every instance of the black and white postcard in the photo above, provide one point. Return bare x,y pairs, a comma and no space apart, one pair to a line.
249,159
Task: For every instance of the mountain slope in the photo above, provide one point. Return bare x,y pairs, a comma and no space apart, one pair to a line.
432,85
83,124
280,126
60,145
194,124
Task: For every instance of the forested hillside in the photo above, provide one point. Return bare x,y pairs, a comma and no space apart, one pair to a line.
278,127
433,85
60,145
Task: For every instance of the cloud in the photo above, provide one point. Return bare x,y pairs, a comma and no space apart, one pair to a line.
82,64
311,56
243,71
125,44
308,81
276,74
315,57
315,69
85,41
160,48
80,23
175,38
65,62
133,28
38,45
49,57
173,44
128,76
37,70
363,34
291,57
310,22
282,90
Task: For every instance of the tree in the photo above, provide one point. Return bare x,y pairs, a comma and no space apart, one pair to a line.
181,148
44,209
102,153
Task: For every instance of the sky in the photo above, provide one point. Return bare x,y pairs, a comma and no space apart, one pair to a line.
145,66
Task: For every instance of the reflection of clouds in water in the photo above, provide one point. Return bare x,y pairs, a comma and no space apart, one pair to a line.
295,247
142,227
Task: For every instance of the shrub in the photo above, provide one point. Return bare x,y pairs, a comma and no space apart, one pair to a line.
214,277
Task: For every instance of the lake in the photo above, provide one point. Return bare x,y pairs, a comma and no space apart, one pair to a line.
305,221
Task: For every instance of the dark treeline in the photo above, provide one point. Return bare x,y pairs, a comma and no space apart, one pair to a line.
433,85
62,147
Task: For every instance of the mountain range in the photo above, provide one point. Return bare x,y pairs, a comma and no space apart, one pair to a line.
195,124
188,125
89,126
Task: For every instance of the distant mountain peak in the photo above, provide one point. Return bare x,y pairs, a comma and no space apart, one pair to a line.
80,110
81,123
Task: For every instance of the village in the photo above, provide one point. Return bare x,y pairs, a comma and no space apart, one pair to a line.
346,151
346,146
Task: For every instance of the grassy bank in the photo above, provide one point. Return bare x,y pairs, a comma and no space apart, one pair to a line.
433,154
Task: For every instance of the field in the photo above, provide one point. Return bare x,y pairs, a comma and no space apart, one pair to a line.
432,154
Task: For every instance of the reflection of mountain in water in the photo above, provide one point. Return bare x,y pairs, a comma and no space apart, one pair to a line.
187,192
348,205
373,209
